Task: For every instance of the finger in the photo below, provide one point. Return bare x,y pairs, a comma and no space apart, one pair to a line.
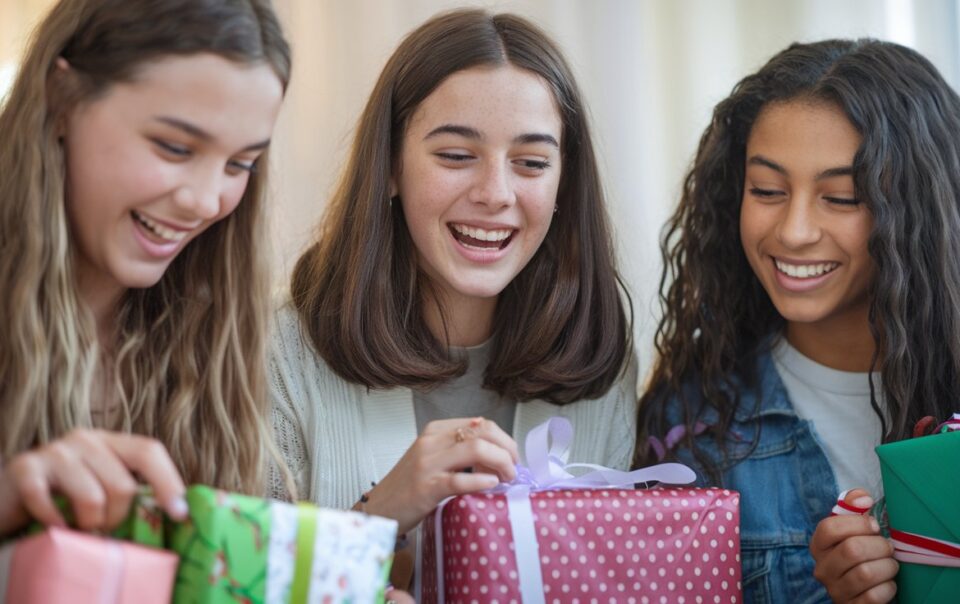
877,594
472,427
490,431
27,476
836,529
150,459
850,565
864,581
859,498
461,483
115,479
478,452
68,474
399,597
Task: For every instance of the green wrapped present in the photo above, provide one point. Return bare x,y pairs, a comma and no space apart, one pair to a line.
245,549
238,549
921,482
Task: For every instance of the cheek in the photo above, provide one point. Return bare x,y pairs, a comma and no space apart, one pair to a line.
232,197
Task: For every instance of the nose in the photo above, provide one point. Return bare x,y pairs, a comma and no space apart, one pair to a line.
201,195
800,223
493,186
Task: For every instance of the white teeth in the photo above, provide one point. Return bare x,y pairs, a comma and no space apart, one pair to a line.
159,230
482,234
805,271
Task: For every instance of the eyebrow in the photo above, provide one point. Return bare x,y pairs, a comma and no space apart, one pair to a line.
474,134
759,160
202,134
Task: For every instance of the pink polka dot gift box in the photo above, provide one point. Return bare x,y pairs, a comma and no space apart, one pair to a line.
539,542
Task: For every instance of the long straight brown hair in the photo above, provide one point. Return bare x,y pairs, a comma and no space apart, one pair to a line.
190,350
560,332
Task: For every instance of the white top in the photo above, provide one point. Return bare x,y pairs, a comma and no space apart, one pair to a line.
838,405
337,437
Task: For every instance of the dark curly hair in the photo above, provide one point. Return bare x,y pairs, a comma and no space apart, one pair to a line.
717,316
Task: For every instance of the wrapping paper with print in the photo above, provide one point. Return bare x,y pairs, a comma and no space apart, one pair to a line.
244,549
551,536
61,566
604,545
921,483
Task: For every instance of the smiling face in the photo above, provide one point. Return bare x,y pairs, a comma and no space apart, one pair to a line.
478,177
803,231
153,162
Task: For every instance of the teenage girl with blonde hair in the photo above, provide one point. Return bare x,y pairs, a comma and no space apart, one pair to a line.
132,175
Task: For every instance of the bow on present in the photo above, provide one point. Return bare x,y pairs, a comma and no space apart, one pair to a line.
547,448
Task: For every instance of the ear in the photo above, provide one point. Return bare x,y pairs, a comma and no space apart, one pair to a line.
61,86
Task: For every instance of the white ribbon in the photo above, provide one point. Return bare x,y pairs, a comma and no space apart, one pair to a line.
547,448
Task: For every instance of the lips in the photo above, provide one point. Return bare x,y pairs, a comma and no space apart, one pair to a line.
163,233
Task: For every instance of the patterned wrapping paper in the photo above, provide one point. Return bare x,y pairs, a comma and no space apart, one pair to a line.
239,549
244,549
60,566
623,545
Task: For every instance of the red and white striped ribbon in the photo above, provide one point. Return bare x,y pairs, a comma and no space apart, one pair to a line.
910,547
842,508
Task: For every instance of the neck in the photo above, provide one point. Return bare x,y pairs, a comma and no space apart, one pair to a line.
468,320
102,297
843,344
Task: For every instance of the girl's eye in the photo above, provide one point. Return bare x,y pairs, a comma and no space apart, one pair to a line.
765,193
454,157
843,201
536,165
235,166
172,148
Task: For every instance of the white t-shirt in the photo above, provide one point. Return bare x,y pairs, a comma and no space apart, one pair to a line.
838,405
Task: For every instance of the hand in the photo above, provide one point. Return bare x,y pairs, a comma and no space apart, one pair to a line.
94,470
853,561
396,596
432,469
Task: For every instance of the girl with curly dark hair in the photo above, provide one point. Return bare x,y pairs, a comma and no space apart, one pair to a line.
812,304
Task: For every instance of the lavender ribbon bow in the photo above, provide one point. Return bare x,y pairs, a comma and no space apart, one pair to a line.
547,448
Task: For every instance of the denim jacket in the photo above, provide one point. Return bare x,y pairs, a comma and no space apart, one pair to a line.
786,484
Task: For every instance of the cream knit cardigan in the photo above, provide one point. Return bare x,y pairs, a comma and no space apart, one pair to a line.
338,437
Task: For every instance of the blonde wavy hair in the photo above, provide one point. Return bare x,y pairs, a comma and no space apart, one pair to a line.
188,365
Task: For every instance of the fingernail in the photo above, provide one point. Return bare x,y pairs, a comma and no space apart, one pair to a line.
178,508
874,525
863,501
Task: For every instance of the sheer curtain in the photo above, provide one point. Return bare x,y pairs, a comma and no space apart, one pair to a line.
651,71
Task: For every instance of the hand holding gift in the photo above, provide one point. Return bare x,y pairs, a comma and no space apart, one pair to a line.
921,481
93,470
853,561
432,469
551,535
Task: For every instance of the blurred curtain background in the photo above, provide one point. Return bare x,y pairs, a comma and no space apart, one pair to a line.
651,71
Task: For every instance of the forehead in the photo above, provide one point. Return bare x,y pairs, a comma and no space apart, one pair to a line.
232,101
805,131
501,99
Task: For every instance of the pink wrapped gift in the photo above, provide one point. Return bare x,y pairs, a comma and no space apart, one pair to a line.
554,537
670,545
60,566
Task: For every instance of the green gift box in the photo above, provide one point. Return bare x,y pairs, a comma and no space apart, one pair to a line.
921,483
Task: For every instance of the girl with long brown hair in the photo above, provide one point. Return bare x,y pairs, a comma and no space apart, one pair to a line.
463,285
132,170
811,293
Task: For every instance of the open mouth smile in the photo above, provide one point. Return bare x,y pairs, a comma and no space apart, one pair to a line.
481,239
